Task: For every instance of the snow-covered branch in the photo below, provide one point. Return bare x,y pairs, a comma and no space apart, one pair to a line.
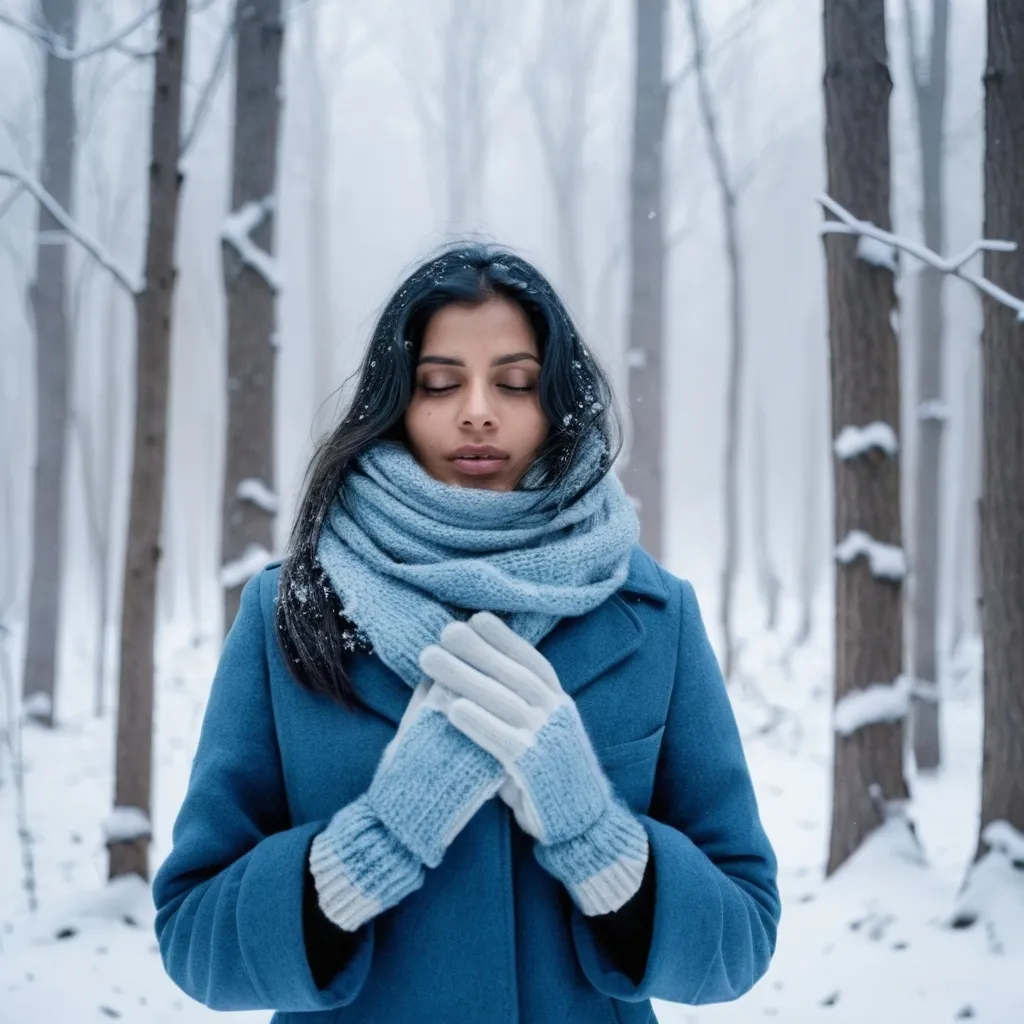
887,561
58,46
934,410
853,442
241,570
132,283
879,241
872,705
125,824
1002,837
237,231
257,493
879,703
34,31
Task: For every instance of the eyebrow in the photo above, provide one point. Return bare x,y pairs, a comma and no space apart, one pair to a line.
513,357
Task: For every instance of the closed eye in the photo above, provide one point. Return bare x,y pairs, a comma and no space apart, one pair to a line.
451,387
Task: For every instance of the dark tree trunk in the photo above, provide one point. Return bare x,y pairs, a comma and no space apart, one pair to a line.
644,474
865,389
249,457
1002,536
49,306
930,90
142,556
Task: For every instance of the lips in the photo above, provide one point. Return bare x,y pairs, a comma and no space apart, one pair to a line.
478,459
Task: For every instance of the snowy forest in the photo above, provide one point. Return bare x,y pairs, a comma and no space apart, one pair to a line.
792,232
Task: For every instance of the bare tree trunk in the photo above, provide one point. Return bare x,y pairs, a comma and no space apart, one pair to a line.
930,92
767,577
810,539
865,390
322,279
133,762
965,525
644,476
109,419
249,504
1002,539
468,42
728,199
558,87
49,305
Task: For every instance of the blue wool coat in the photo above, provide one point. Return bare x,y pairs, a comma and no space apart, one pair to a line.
490,938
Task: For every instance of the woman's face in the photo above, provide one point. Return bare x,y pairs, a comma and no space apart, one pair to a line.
475,418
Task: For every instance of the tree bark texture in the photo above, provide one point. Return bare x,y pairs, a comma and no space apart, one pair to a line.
49,307
865,389
249,453
1002,515
133,762
930,91
644,474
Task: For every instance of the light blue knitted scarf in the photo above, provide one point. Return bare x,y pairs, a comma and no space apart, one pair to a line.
407,554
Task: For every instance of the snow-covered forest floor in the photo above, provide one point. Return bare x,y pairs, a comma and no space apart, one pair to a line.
871,945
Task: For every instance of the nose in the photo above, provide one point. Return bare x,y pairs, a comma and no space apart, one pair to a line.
477,410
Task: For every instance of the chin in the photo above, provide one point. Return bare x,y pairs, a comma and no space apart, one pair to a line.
488,485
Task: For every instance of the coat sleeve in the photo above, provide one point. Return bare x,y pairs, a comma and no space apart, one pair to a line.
716,903
230,895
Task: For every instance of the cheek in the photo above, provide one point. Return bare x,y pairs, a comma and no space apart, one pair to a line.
539,426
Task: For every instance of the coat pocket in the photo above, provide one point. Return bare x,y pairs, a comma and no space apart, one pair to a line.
631,767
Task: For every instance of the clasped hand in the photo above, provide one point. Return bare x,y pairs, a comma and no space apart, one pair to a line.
506,697
500,692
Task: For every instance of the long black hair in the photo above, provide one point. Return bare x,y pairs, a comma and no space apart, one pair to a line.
574,393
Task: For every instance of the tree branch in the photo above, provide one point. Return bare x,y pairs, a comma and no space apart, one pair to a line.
736,26
707,105
57,47
11,197
131,283
847,224
220,63
41,35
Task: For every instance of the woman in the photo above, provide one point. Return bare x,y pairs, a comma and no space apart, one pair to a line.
468,755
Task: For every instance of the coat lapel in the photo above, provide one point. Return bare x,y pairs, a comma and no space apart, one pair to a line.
581,648
379,688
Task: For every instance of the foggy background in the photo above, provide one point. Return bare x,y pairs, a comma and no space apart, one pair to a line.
409,123
357,80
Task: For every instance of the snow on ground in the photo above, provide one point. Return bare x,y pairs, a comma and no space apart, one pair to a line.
872,946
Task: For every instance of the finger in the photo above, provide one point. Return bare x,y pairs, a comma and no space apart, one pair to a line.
469,646
512,645
466,681
502,741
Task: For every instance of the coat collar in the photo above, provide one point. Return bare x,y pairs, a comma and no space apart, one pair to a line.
644,578
580,649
